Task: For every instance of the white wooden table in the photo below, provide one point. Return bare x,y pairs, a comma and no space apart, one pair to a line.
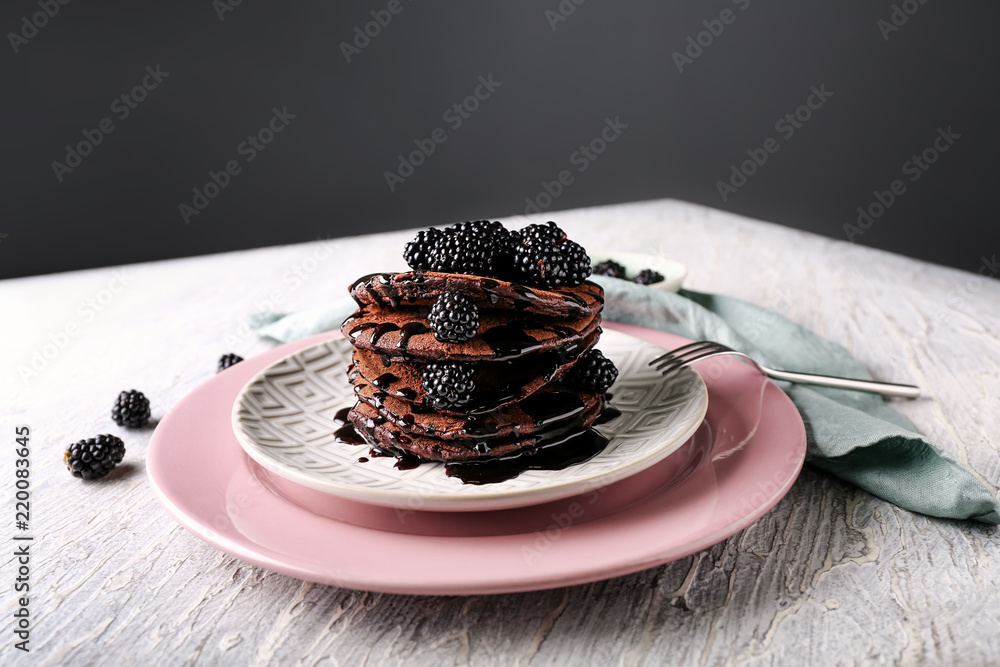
830,576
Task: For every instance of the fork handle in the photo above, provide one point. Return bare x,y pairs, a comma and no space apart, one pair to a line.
884,388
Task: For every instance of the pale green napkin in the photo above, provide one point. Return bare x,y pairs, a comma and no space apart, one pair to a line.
856,436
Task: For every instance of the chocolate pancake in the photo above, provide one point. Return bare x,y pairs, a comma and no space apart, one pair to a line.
382,433
404,334
549,406
498,383
415,288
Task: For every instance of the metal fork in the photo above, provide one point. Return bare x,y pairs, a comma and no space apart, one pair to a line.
676,359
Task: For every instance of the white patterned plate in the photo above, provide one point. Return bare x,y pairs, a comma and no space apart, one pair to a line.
283,419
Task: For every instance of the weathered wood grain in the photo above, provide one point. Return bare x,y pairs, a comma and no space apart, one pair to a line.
831,576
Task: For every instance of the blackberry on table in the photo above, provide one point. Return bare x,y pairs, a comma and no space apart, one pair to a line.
609,268
449,385
594,372
131,409
227,360
548,264
648,277
454,318
94,458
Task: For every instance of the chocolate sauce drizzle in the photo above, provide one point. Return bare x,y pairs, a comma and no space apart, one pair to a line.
549,365
384,290
385,381
380,329
555,451
557,438
507,341
349,435
510,341
409,330
555,448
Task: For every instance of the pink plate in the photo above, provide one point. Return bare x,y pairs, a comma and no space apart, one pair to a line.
738,465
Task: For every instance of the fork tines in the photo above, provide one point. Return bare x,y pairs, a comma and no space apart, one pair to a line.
686,355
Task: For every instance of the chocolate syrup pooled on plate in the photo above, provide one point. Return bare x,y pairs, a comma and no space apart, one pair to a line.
346,433
557,451
609,413
349,435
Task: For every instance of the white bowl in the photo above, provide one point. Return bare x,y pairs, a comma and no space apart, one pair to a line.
673,272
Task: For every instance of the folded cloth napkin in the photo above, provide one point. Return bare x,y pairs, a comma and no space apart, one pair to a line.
856,436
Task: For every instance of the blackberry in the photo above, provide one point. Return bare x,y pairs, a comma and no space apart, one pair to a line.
594,372
496,246
478,247
462,251
647,277
454,318
448,251
577,262
227,360
548,232
131,409
417,252
449,385
549,264
609,268
94,458
494,230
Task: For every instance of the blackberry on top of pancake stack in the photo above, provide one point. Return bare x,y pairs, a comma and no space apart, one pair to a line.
484,350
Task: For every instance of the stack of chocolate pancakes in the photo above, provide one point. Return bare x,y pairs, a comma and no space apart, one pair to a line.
520,359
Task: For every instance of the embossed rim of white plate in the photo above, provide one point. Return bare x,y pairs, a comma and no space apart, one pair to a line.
289,459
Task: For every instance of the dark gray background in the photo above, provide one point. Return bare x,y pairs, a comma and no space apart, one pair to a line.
324,174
